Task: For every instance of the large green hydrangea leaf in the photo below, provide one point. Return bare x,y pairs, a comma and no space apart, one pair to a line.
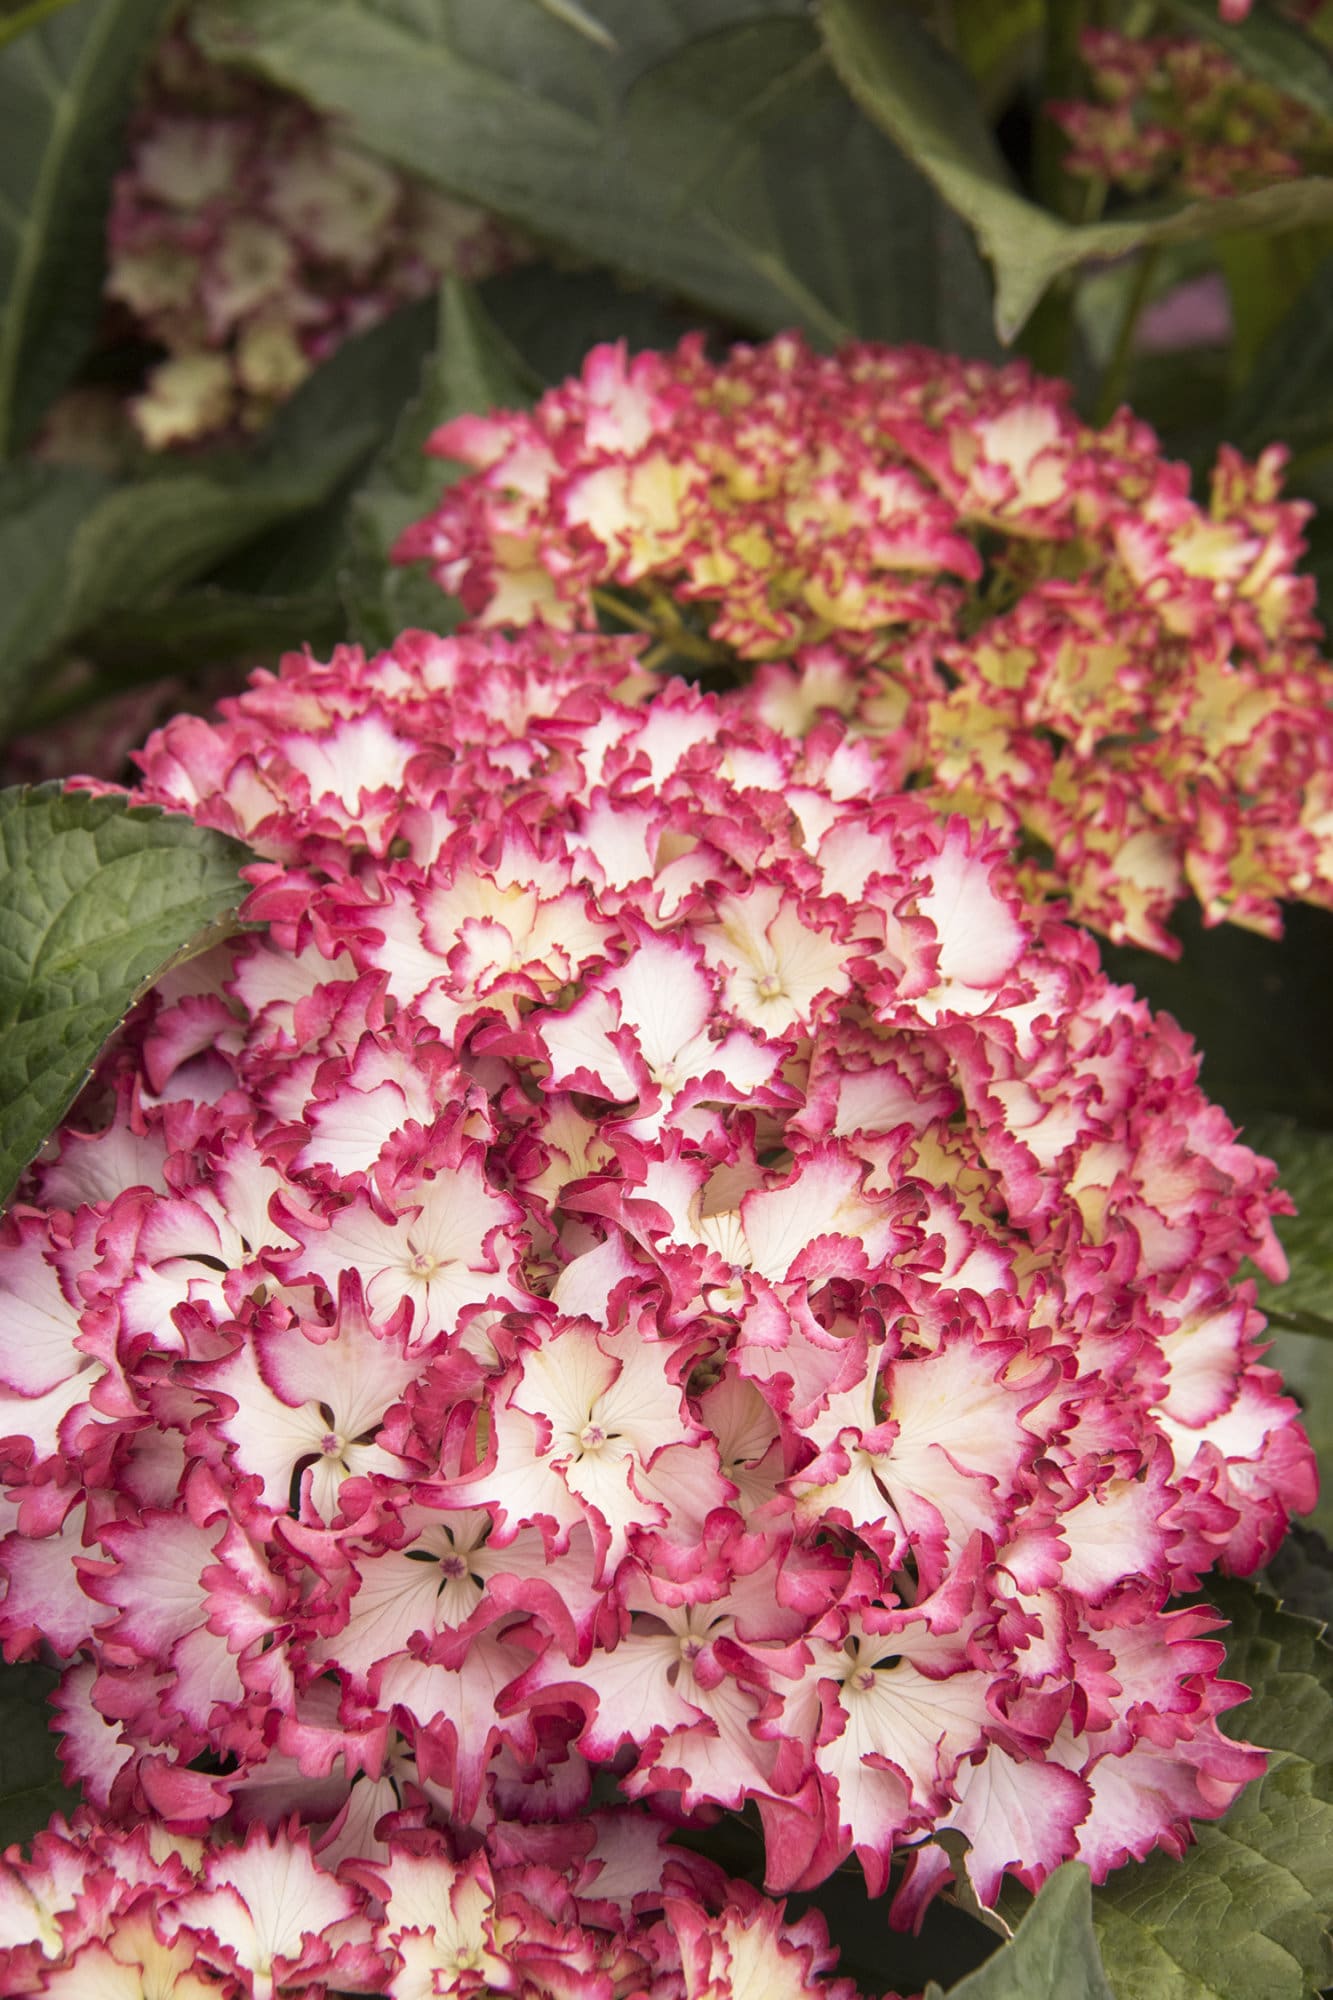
927,104
65,92
710,149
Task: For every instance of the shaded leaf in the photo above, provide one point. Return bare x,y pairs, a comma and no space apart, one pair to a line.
994,36
202,627
1288,1669
1053,1951
31,1789
1305,1164
1265,276
41,509
1257,1008
105,554
1300,1575
472,368
96,900
926,103
17,16
551,317
1266,45
65,92
727,166
756,134
1288,394
1306,1367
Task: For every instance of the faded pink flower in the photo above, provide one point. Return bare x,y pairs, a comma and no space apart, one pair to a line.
249,241
1179,112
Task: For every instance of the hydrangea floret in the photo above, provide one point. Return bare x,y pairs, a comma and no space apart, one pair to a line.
248,239
1028,618
606,1910
1171,111
658,1269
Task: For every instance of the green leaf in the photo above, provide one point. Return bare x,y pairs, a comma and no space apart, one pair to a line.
725,166
1300,1576
97,899
41,509
927,105
551,316
472,368
1305,1165
757,137
17,16
1245,1914
1284,1661
1302,1360
65,91
580,20
1289,392
203,627
1265,276
157,533
1272,49
1053,1951
93,561
994,37
31,1789
1258,1009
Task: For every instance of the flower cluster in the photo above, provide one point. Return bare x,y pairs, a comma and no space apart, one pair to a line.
249,241
657,1266
1179,112
604,1912
1030,618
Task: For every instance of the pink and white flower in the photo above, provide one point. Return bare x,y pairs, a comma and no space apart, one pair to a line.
662,1267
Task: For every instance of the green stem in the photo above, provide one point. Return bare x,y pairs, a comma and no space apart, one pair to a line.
662,621
628,614
1297,1320
1116,379
1062,71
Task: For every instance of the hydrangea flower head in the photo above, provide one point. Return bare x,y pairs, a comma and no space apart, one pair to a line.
1028,617
248,240
658,1265
1174,111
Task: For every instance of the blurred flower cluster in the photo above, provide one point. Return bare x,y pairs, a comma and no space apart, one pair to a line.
1029,617
1173,111
658,1267
249,241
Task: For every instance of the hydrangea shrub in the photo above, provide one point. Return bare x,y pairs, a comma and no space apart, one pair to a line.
1029,616
654,1333
659,1268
